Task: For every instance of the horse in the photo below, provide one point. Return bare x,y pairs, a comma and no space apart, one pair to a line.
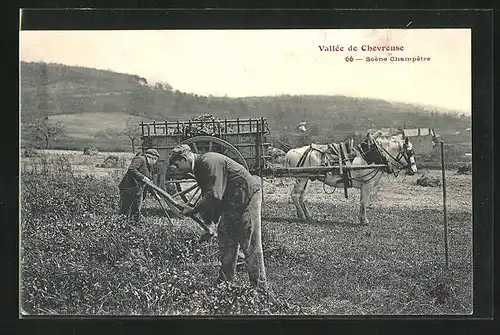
375,149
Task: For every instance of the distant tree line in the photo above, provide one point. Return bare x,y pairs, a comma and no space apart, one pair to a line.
45,90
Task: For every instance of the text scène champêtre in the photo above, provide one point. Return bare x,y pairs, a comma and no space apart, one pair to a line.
364,47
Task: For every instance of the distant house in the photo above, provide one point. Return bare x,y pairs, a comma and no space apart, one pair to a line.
302,126
423,139
385,131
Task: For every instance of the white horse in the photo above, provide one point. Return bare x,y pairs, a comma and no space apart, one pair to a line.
395,151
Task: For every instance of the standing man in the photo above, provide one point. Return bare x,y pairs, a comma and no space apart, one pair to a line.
132,187
231,193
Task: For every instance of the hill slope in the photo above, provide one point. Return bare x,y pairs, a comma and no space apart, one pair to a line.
54,89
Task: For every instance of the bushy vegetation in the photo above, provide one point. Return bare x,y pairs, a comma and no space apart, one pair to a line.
79,257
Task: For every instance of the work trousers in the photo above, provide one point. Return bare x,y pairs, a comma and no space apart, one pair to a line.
131,204
242,229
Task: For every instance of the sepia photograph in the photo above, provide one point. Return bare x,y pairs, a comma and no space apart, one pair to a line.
303,172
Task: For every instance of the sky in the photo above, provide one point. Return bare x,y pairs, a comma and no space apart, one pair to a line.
240,63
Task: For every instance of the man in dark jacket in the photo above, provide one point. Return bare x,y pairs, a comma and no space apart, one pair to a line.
231,193
132,186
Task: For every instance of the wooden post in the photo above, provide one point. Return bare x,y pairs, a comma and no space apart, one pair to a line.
262,149
258,157
445,221
263,153
343,157
257,150
238,131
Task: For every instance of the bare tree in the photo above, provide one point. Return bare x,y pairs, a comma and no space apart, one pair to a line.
167,87
45,130
132,131
164,86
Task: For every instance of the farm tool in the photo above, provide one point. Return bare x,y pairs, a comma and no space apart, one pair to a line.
157,197
175,207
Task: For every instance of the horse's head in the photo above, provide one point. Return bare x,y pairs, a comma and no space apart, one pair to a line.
435,140
398,151
409,155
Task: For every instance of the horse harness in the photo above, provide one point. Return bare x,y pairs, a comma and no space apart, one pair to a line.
369,150
400,155
372,153
339,155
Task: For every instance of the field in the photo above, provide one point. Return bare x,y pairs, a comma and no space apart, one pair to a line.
76,257
85,126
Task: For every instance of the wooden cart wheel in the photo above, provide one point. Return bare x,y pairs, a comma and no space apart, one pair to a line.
187,189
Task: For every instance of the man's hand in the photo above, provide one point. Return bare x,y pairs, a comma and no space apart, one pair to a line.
188,211
146,180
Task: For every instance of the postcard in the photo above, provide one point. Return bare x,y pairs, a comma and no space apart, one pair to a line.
299,172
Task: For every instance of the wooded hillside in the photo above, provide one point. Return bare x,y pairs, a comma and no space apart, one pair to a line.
54,89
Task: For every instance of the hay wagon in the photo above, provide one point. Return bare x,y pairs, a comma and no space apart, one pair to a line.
246,140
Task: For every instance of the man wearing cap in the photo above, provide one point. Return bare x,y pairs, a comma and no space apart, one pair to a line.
231,193
132,186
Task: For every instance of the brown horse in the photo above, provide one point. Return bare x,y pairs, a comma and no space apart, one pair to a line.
396,152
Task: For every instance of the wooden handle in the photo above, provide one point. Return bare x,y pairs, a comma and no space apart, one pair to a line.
176,207
164,209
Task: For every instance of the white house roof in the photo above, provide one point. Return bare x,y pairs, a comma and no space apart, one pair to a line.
411,132
419,132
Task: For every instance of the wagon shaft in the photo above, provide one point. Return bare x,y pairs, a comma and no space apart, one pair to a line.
314,171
